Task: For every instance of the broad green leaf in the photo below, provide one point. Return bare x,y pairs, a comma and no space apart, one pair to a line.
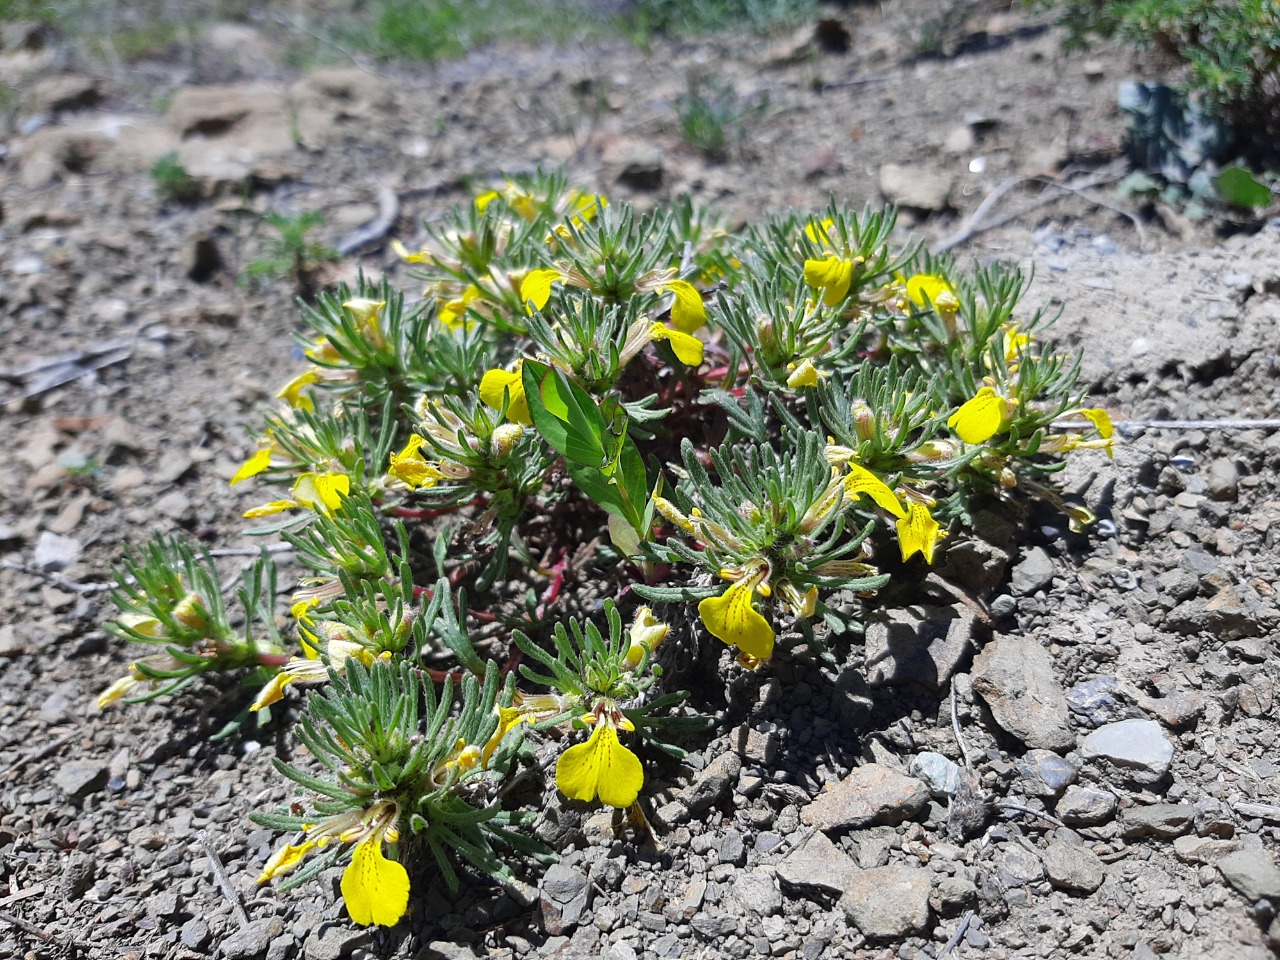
564,414
1238,187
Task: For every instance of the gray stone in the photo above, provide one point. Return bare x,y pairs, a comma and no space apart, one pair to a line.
939,774
888,902
1016,677
1176,711
1223,479
918,644
164,905
818,864
1017,866
1136,747
55,552
252,940
1253,873
731,848
1213,819
1033,572
1072,866
642,168
954,895
1098,701
81,777
1086,807
332,941
760,748
1042,773
565,895
1203,849
77,875
757,891
195,935
918,187
1157,820
714,781
871,794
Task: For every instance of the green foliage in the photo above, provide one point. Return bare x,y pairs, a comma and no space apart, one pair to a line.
172,181
1229,53
290,253
713,117
708,16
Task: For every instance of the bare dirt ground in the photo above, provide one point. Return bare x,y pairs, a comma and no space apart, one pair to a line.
133,361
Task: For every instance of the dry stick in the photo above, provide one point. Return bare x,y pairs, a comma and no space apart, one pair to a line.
28,927
224,882
375,229
1019,808
955,937
1127,426
955,726
22,895
975,225
55,579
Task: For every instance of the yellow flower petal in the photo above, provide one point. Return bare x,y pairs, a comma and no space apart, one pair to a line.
688,312
292,393
861,481
375,889
403,252
831,274
117,690
804,374
486,198
687,348
733,618
497,382
272,692
322,492
253,466
980,417
819,231
647,631
536,288
1101,421
285,860
267,509
918,532
924,289
601,766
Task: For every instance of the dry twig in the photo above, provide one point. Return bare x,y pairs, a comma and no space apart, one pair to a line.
955,937
375,229
224,882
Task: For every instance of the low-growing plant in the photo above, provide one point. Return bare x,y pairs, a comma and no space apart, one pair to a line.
290,253
1228,54
600,435
172,181
713,117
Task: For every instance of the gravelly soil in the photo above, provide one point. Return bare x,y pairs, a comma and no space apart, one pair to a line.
801,827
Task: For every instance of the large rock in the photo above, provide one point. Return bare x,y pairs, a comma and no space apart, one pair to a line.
1072,866
327,103
231,133
871,794
817,864
111,142
1136,748
918,645
918,187
887,903
1253,873
1016,677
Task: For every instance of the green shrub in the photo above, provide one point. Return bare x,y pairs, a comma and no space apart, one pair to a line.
1229,54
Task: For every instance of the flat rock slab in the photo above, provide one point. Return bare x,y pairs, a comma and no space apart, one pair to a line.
1157,820
888,902
871,794
1137,746
921,645
1016,677
1253,873
817,864
1071,866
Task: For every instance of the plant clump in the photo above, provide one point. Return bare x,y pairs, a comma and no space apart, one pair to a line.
595,435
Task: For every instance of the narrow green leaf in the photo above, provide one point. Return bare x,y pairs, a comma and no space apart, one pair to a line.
1238,187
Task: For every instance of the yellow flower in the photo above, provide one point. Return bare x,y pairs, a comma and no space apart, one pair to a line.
411,468
1101,421
292,391
375,889
925,289
647,631
832,274
118,690
285,860
918,532
601,766
310,669
483,200
687,348
403,252
497,383
805,374
861,481
1015,341
981,417
452,313
253,466
732,618
322,492
819,231
688,312
535,288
